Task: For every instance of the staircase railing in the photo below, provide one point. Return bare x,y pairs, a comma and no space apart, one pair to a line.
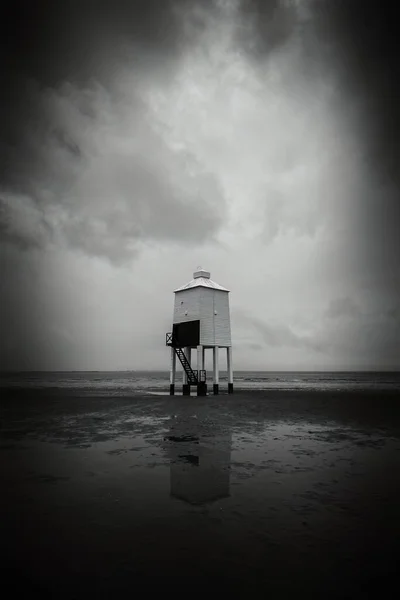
193,377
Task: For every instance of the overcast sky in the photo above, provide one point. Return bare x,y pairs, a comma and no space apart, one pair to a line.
258,139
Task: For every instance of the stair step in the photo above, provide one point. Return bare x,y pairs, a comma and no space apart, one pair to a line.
191,375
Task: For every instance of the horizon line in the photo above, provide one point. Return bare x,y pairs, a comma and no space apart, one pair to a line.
354,370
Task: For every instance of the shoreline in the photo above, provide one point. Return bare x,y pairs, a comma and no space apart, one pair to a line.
368,409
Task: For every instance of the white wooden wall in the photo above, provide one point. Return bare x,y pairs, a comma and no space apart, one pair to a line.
202,303
222,320
187,301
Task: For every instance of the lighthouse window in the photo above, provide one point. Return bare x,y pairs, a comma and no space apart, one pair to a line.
181,301
185,312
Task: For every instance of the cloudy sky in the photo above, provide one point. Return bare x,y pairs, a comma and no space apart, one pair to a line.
258,139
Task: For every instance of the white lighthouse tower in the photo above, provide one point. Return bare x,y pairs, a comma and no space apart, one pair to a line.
201,321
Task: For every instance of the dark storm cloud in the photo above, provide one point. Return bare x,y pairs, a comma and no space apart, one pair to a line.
364,38
270,23
61,91
45,44
28,231
275,334
359,41
106,133
342,307
394,313
52,42
83,165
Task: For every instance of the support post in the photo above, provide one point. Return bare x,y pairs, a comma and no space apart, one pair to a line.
215,370
186,385
201,386
230,369
172,373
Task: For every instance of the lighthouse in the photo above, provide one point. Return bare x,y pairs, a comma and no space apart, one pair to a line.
201,321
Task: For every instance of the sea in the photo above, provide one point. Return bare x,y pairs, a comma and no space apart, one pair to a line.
122,383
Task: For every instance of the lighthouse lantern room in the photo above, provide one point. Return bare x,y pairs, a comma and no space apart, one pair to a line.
201,321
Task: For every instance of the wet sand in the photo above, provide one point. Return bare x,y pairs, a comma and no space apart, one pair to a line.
260,493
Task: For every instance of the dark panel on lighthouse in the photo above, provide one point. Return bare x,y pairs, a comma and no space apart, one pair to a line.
187,334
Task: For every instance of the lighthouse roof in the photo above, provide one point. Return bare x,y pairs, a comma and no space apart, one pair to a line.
201,278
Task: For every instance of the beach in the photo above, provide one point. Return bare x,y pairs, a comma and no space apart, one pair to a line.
260,493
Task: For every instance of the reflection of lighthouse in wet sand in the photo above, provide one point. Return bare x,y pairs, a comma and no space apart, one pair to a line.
200,461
